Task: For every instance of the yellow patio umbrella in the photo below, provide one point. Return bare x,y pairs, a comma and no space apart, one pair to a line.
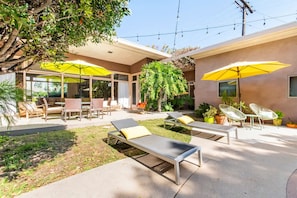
51,78
78,67
242,70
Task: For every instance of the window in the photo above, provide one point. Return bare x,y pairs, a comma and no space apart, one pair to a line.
229,87
121,77
293,86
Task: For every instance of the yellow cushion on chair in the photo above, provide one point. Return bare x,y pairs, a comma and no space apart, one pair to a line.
135,132
185,119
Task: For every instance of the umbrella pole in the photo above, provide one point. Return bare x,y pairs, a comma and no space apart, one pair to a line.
239,94
80,89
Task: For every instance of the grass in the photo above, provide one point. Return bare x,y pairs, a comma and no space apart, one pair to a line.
30,161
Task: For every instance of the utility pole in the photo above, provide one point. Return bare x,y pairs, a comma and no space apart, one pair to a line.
243,7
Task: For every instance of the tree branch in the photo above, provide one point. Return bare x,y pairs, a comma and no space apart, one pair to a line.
14,49
9,42
42,7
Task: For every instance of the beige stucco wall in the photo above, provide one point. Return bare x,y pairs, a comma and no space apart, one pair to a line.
116,67
268,90
106,64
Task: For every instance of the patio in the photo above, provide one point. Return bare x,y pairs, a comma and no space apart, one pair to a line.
260,163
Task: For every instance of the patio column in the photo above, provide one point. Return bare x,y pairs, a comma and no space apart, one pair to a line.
24,84
62,85
112,87
91,87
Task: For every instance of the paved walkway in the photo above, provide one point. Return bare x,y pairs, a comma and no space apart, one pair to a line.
261,163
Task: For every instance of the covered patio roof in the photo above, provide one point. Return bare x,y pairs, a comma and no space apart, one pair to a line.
120,51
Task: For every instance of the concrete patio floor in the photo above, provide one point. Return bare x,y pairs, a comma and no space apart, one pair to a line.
261,163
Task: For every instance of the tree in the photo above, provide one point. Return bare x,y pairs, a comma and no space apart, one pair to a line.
161,81
40,30
9,94
185,63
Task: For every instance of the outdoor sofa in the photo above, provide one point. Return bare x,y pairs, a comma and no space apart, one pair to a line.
177,118
172,151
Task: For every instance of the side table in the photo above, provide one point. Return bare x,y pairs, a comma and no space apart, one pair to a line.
252,119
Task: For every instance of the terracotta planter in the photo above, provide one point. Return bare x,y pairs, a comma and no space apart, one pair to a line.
220,119
291,125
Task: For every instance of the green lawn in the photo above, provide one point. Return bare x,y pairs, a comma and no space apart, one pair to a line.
30,161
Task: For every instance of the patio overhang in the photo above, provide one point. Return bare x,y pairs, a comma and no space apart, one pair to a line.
120,51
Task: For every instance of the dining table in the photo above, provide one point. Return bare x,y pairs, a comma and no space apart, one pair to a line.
85,105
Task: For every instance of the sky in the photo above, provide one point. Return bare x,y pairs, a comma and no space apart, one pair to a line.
200,23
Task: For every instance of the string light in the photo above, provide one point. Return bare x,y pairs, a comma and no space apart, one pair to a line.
203,29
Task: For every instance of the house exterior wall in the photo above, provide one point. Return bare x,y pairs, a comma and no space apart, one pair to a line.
106,64
135,68
271,90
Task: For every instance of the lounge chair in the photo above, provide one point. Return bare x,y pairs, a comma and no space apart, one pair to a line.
169,150
51,110
263,113
177,118
30,109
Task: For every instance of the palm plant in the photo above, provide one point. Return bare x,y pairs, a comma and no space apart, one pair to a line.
9,95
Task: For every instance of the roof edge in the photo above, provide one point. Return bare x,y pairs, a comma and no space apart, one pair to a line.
269,35
128,44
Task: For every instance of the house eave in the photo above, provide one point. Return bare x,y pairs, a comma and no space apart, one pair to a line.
274,34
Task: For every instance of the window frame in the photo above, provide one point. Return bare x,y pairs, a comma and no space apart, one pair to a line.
289,86
226,81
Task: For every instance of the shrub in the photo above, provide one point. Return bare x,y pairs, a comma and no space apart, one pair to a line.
202,109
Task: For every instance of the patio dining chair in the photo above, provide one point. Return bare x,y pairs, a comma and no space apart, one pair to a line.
72,105
106,107
96,106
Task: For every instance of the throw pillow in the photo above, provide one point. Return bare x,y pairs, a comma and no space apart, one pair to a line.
185,119
135,132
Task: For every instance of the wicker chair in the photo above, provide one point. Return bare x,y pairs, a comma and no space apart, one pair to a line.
263,113
232,113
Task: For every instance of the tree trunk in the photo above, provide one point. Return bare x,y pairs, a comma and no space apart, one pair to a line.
159,104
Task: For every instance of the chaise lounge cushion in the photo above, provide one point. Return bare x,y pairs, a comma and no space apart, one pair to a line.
185,119
135,132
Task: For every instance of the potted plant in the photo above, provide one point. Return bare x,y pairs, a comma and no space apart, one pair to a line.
203,107
220,118
210,114
291,124
279,119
